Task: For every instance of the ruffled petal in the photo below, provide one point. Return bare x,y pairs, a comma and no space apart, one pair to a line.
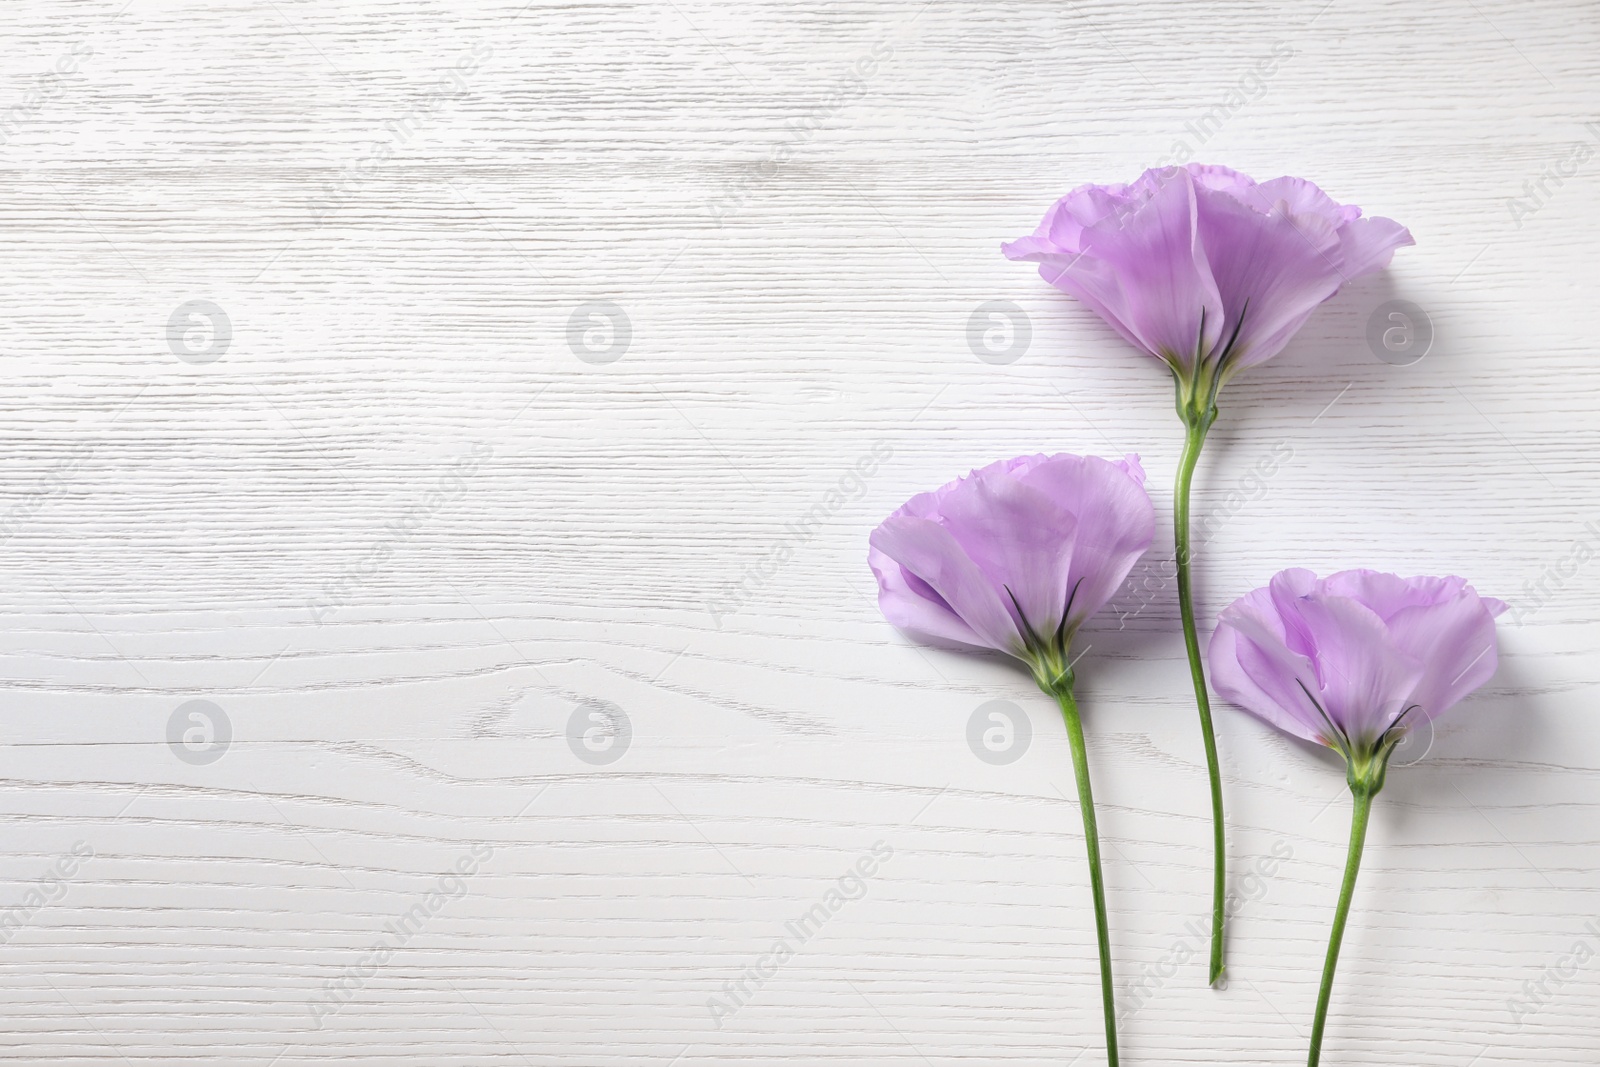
1455,638
1367,245
1285,590
1115,524
1253,667
1151,256
1057,247
1369,647
1388,594
1272,271
1132,254
1218,178
992,559
916,607
1020,538
932,554
1302,198
1157,271
1367,682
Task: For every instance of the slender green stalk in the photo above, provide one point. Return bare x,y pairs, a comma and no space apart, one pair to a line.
1364,793
1198,422
1061,689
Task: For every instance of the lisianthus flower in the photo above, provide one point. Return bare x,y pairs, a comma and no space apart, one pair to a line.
1353,661
1210,272
1016,557
1201,266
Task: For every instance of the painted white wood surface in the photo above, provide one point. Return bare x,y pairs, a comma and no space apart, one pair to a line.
396,531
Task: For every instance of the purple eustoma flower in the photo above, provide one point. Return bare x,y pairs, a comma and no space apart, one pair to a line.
1354,661
1015,557
1210,272
1203,267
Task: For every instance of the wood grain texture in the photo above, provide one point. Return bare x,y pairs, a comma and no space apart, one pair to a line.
396,532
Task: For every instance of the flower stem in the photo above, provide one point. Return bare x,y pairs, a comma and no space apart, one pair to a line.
1352,865
1062,691
1198,424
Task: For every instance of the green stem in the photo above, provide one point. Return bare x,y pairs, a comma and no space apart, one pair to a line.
1198,424
1062,691
1352,865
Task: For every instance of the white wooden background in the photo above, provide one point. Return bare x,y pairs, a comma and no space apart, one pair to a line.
385,520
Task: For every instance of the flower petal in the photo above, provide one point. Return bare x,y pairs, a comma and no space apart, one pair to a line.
1272,269
1388,594
932,554
1151,256
1131,253
1241,187
913,605
1367,682
1061,229
1372,647
1020,538
1115,524
1455,638
1303,198
1285,590
1158,277
1253,667
1367,245
1057,247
